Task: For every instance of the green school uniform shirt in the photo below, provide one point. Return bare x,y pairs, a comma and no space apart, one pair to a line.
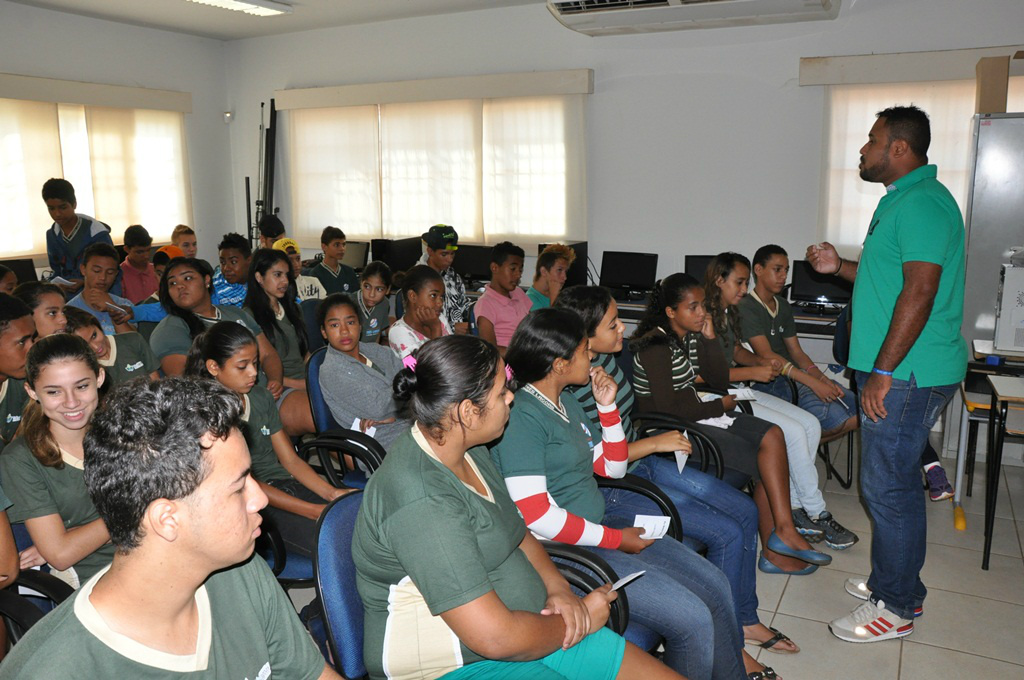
425,543
538,441
171,335
916,221
12,402
344,280
130,357
286,342
247,629
372,321
755,320
260,419
37,491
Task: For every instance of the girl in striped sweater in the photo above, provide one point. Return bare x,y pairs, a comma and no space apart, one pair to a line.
548,457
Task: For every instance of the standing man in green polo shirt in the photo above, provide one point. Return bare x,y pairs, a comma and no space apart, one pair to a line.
908,355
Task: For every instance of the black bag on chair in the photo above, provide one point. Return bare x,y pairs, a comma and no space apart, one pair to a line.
841,338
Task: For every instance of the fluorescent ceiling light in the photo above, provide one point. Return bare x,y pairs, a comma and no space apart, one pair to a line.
260,8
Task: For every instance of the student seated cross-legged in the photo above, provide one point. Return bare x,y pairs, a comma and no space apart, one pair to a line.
356,377
227,352
422,291
123,356
169,472
503,304
548,457
453,584
42,469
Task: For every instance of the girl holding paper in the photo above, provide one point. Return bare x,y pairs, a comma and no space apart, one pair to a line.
548,456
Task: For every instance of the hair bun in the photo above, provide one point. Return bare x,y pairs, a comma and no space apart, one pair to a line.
405,384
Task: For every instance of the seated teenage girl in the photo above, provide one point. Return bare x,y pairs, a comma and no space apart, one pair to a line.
452,583
42,469
47,304
356,376
228,353
725,286
548,457
671,351
374,309
270,299
716,514
422,291
185,291
123,356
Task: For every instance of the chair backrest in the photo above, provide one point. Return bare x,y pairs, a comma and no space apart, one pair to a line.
313,338
322,418
336,584
625,360
471,317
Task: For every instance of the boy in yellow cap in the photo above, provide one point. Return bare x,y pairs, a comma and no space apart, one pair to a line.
309,287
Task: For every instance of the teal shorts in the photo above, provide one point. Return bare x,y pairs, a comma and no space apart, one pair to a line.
596,657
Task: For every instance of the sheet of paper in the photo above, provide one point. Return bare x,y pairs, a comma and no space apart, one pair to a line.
743,393
61,281
625,580
655,526
681,459
357,426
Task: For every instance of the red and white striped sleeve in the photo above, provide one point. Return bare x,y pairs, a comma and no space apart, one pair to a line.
544,518
611,455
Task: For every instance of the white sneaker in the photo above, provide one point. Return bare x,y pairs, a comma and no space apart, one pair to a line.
871,623
858,587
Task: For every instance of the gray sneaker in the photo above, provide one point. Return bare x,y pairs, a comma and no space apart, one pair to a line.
837,536
811,532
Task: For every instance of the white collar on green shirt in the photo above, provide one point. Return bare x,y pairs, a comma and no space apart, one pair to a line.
558,408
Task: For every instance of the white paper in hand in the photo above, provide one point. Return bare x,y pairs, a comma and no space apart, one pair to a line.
357,426
743,394
626,580
681,459
61,281
654,526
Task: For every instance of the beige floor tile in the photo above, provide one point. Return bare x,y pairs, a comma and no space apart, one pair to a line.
824,656
959,570
1014,477
856,559
975,505
848,511
942,531
769,590
926,662
974,625
819,596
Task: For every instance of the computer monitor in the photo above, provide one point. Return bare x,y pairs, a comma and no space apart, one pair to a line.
356,253
629,271
810,286
697,265
401,254
24,269
577,274
473,262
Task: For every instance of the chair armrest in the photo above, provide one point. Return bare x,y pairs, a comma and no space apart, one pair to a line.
47,585
704,446
19,613
650,491
586,572
360,446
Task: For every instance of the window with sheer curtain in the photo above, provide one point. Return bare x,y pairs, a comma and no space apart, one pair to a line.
128,166
495,169
850,201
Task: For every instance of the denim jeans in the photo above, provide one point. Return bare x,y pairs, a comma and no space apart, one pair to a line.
803,434
686,600
890,477
721,517
831,414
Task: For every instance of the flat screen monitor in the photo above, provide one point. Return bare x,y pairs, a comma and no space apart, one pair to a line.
473,262
697,265
24,269
629,271
401,254
356,254
810,286
577,274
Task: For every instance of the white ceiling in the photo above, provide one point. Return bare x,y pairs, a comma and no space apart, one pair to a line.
211,22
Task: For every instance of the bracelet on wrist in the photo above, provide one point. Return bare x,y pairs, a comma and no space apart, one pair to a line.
880,371
839,268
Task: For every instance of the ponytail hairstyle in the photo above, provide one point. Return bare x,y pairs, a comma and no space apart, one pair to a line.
543,336
667,292
448,370
257,300
590,302
415,279
35,425
219,342
722,267
379,269
191,319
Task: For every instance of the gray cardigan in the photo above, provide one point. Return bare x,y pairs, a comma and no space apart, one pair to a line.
354,390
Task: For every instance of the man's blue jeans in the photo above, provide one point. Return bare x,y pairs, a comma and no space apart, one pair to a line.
890,477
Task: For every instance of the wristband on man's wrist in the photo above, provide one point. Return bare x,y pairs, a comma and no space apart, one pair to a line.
839,268
880,371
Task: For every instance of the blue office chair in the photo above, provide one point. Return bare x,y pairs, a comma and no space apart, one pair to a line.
314,339
291,570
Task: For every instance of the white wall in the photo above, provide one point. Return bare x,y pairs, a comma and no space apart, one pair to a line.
698,141
44,43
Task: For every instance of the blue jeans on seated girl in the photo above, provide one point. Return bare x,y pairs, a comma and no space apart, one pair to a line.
890,479
831,414
713,512
685,599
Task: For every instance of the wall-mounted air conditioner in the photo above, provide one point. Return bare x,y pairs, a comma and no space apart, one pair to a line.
616,17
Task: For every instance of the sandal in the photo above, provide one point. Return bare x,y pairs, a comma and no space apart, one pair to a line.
770,643
767,673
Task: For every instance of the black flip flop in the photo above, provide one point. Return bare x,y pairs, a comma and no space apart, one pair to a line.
770,643
767,674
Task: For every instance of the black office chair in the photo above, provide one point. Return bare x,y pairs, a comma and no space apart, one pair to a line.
19,612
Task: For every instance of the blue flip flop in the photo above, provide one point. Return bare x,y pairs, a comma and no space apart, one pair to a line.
767,567
775,544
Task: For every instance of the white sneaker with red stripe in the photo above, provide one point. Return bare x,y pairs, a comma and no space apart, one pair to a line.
858,587
871,622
